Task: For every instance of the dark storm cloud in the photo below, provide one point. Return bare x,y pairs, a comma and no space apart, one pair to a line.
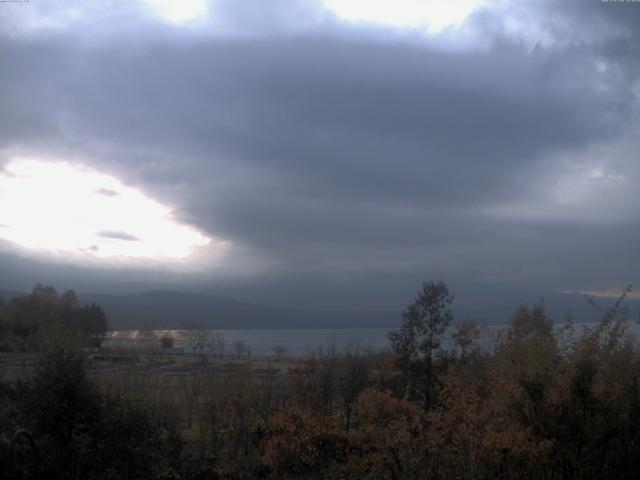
330,118
342,156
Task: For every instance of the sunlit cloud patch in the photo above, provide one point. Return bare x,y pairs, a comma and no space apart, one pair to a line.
179,11
430,14
62,208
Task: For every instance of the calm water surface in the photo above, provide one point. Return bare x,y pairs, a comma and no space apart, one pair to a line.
296,342
263,342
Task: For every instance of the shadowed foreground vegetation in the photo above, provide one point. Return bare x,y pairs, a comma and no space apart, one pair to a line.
447,401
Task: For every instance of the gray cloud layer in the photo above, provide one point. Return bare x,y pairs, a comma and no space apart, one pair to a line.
352,162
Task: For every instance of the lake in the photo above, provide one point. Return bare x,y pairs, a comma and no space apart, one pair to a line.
295,341
262,342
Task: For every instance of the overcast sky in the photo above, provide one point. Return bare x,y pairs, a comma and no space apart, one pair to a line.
320,153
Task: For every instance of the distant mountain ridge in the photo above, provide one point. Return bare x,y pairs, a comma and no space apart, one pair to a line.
7,295
174,310
171,309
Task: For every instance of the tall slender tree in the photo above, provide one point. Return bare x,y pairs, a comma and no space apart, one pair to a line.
419,339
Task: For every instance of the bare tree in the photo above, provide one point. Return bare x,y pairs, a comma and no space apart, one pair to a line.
216,343
327,382
352,380
195,336
279,351
239,347
465,337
